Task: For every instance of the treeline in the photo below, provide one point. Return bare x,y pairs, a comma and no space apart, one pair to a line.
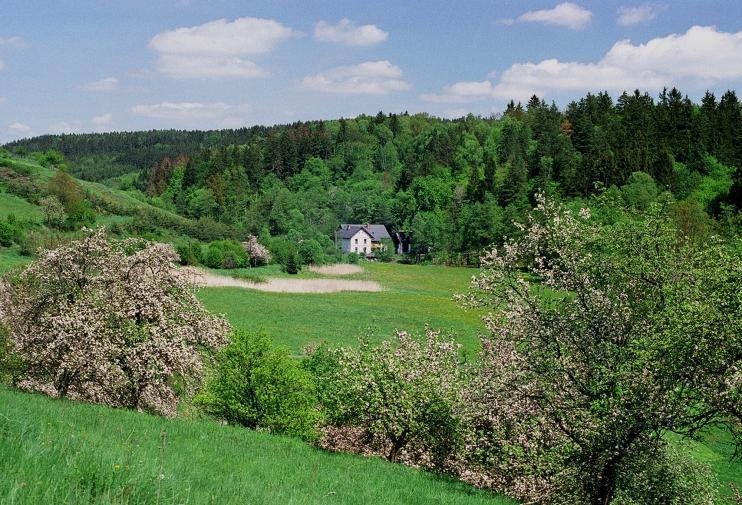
457,185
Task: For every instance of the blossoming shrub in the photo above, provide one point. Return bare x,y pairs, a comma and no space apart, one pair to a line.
257,253
260,386
109,321
401,400
625,332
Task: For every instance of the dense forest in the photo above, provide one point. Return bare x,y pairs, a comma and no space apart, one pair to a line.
456,185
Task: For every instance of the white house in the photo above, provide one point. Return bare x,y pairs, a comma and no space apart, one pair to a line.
361,238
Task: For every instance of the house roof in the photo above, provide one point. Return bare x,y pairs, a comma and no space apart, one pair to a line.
377,232
349,230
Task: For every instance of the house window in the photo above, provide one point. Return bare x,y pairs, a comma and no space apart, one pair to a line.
364,249
364,240
356,241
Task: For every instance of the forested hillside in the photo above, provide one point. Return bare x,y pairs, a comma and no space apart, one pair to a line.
457,185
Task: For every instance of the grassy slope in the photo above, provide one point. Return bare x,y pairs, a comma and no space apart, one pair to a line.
414,295
54,451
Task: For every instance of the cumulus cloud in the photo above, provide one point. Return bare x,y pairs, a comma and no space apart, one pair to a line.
218,49
462,92
628,16
103,120
13,42
182,66
19,128
186,111
566,14
368,78
346,32
698,58
102,85
64,127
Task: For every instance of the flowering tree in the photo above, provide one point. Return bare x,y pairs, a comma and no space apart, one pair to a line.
402,399
109,322
602,338
257,252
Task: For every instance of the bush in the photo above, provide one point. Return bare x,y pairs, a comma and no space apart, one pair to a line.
385,253
261,387
225,254
11,365
190,253
401,400
293,263
108,322
310,252
664,475
353,258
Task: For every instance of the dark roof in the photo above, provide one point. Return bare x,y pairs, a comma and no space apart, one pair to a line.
377,232
348,230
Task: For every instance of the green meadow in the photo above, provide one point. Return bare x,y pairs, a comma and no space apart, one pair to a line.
413,296
56,451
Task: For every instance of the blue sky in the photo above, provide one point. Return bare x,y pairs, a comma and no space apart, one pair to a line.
80,66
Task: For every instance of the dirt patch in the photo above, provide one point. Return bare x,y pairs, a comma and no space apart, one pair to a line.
284,285
337,269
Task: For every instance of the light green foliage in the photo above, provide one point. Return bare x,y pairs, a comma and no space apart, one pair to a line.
665,475
260,386
639,191
716,184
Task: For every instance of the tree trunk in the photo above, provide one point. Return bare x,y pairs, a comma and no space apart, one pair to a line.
397,444
606,487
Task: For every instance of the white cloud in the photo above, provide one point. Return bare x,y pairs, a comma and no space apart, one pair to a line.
455,113
628,16
185,111
13,42
699,58
107,84
19,128
64,127
346,32
217,49
369,78
103,120
462,92
183,66
567,14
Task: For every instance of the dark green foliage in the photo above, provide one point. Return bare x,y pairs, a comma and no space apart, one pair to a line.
261,387
310,252
385,253
293,263
225,254
190,252
460,183
11,366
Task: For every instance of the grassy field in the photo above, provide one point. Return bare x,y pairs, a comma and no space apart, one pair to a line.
413,296
20,208
54,451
